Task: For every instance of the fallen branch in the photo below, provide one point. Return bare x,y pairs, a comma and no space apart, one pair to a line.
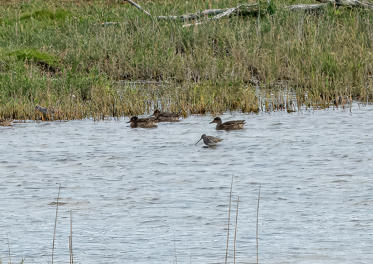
249,9
326,1
348,3
244,9
228,12
138,7
305,7
187,17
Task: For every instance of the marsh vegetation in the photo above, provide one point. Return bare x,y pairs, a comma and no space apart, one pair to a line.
60,55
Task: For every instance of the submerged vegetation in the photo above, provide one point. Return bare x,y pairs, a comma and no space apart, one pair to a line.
60,55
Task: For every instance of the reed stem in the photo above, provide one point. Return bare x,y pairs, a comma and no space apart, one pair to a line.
55,222
235,232
10,258
71,239
257,228
229,222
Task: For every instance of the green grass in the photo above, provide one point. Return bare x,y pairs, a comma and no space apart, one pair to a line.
58,54
45,60
45,14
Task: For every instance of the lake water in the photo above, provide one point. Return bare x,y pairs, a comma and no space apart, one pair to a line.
152,196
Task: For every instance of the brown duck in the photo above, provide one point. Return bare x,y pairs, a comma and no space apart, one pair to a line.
148,122
229,125
165,116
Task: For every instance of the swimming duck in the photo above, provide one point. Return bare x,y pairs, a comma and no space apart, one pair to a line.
209,140
229,125
148,122
165,116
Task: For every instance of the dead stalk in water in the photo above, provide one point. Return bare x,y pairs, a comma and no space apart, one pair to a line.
175,249
10,259
55,221
71,239
235,232
229,221
257,228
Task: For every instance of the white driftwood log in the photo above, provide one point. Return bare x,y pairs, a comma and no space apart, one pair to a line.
307,7
228,12
187,17
241,9
249,9
349,3
138,7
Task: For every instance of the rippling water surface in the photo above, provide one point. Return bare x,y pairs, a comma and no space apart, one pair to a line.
152,196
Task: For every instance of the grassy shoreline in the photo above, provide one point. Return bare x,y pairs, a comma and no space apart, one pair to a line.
60,56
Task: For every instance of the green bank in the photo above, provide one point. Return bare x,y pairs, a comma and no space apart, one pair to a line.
62,56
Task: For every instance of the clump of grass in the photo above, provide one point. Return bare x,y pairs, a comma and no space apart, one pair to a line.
46,14
43,59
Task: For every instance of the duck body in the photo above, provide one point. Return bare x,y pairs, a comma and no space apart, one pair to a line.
229,125
148,122
165,116
209,140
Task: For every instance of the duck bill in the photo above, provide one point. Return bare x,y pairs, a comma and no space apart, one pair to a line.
198,141
128,122
211,122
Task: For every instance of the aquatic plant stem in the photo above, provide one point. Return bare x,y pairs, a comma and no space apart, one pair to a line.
71,238
55,221
229,222
10,259
257,228
235,232
175,248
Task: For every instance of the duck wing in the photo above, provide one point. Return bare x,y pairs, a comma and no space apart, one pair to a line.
166,114
147,119
234,122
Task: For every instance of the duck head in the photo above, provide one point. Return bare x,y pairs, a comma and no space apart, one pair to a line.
156,113
133,119
216,120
